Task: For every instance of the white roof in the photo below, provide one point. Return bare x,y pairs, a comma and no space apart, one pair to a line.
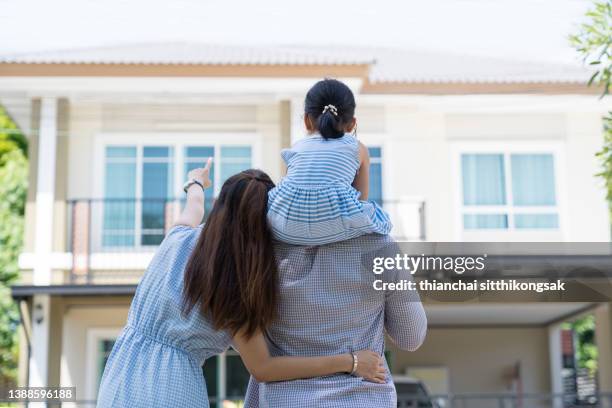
387,65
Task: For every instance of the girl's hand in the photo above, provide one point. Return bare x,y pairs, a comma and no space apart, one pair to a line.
201,174
370,366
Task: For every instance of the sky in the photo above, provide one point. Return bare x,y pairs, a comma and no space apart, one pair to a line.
526,29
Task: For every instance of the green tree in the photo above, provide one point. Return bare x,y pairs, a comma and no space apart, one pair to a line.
586,350
594,43
13,186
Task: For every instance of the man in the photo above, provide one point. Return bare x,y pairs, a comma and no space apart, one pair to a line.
329,305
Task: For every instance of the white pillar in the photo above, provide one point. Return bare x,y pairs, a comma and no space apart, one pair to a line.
221,377
298,130
45,188
603,339
43,245
39,357
556,363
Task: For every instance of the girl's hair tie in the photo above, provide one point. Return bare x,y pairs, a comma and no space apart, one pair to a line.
330,108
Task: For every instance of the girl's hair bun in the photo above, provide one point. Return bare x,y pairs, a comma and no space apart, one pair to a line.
331,106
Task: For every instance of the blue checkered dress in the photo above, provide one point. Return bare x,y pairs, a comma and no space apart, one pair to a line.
328,306
315,203
157,360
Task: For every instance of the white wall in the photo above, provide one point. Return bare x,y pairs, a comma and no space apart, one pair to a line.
479,360
91,118
417,135
78,321
422,134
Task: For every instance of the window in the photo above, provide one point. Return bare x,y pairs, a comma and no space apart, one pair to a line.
105,346
226,378
100,342
141,181
509,191
375,174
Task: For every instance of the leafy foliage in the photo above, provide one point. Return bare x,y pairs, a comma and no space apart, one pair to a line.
605,157
11,137
594,42
13,187
586,350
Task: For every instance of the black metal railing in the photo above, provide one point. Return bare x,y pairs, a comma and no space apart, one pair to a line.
112,240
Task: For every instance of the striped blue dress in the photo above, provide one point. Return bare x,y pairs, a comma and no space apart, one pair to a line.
157,359
315,203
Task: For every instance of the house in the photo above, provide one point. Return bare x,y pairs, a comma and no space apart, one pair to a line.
463,149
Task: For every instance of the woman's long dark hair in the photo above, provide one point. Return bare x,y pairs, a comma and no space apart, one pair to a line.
232,271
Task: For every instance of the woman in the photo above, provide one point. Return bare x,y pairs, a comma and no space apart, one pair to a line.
206,289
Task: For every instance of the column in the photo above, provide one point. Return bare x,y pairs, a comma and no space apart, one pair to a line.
45,188
555,356
298,130
43,244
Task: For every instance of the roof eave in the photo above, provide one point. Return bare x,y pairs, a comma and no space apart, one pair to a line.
15,69
478,87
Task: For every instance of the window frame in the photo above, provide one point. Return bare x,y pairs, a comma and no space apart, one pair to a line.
385,143
380,161
507,149
178,141
92,376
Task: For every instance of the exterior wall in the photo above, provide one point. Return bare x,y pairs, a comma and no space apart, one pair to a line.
589,214
81,316
420,138
92,118
478,359
417,138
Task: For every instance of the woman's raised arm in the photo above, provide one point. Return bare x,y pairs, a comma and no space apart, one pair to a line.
197,181
264,368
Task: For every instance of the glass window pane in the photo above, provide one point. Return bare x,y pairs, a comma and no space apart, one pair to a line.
229,169
483,179
243,152
194,158
485,221
533,179
375,152
104,349
234,159
210,377
156,151
157,188
237,378
121,152
375,186
202,152
536,221
119,205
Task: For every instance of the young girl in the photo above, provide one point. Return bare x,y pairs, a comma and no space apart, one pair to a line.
321,199
207,288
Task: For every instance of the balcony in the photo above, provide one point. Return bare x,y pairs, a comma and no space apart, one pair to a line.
111,241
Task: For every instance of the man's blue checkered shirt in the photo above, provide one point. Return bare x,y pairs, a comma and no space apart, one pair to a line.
328,306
